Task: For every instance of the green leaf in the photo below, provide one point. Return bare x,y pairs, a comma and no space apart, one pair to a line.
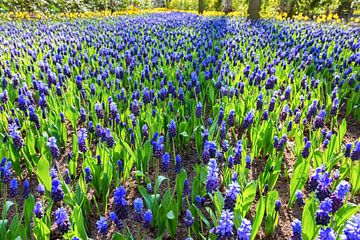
299,179
246,199
180,179
260,210
345,213
308,220
355,177
43,172
148,199
160,179
29,206
78,219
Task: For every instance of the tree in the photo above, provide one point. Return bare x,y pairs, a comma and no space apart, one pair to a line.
254,9
226,6
201,6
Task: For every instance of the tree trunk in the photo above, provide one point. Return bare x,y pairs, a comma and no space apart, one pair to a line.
201,6
227,6
254,9
291,8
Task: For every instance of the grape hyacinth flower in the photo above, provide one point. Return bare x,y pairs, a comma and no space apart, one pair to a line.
82,135
38,210
13,188
212,182
248,162
54,150
26,189
306,150
296,230
198,110
277,205
244,231
319,120
248,120
188,219
102,226
120,204
322,190
327,234
299,198
138,208
231,118
355,154
186,190
172,129
67,178
15,135
339,194
119,224
147,218
53,173
57,194
352,229
178,164
231,195
41,189
348,150
322,215
5,170
165,162
62,220
88,177
226,225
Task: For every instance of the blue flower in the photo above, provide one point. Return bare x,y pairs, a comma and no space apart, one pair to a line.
342,189
322,215
198,110
178,164
231,195
138,205
15,135
327,234
226,225
352,229
82,135
61,219
277,205
57,194
355,154
249,119
120,204
5,170
212,182
41,189
172,129
299,198
26,190
102,226
147,218
38,210
244,231
54,150
165,162
231,118
306,150
13,188
348,150
119,224
88,177
186,191
188,219
296,230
